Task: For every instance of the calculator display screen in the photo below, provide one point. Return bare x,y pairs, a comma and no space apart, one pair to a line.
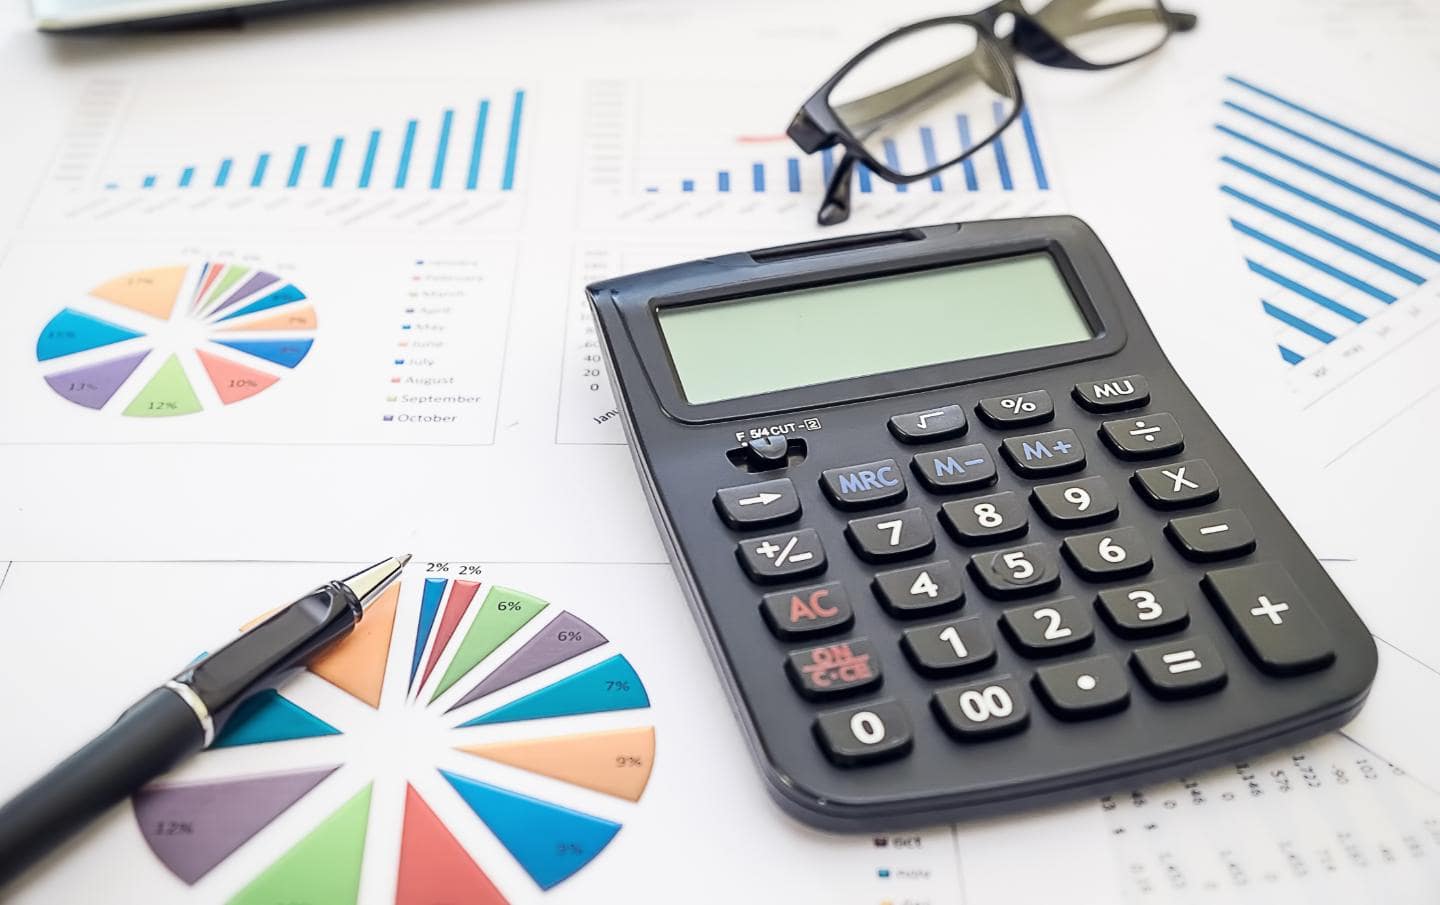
763,344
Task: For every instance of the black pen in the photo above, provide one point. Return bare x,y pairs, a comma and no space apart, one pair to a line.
181,717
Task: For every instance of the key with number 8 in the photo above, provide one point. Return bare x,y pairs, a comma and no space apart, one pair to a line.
985,519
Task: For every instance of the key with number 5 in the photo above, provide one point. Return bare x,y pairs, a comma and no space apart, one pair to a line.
1021,571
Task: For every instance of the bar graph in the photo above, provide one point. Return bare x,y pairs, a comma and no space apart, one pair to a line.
655,152
1339,223
298,175
347,153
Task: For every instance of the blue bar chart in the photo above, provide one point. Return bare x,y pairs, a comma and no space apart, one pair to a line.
441,159
690,149
381,154
787,174
1339,223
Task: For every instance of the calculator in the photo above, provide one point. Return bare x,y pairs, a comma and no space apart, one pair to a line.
958,537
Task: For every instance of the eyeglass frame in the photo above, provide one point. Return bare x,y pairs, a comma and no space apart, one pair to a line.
816,126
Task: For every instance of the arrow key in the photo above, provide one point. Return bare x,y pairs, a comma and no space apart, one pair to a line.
758,505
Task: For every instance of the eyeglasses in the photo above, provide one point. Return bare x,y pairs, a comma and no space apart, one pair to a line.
953,80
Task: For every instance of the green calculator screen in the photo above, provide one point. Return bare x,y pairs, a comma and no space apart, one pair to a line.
762,344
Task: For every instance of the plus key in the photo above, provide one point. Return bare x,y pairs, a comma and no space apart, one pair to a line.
1268,614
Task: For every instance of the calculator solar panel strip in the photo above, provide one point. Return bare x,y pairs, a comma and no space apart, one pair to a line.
1094,677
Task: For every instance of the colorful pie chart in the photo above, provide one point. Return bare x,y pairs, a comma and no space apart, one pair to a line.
458,639
176,340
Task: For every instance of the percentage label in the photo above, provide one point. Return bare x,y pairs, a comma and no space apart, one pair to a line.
163,406
569,848
244,382
617,685
83,386
628,760
570,636
174,828
505,605
1018,404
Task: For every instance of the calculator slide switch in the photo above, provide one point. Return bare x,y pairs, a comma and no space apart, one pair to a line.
834,670
867,734
758,505
782,557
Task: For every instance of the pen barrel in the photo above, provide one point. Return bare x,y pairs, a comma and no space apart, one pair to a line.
147,740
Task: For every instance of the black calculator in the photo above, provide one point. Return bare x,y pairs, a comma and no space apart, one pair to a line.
959,538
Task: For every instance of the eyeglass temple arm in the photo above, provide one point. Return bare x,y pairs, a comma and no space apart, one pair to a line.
1068,18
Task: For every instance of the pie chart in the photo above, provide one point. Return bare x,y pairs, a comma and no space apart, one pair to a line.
572,678
176,340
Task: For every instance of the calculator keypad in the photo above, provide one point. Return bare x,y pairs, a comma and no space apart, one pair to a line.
1043,455
939,423
874,732
1259,603
860,486
977,521
1264,608
1179,669
822,609
1188,483
1022,571
1146,437
834,670
1215,535
1017,409
1143,610
1046,629
782,557
1112,394
892,536
955,470
1076,503
987,709
1081,689
949,648
923,590
758,505
1105,555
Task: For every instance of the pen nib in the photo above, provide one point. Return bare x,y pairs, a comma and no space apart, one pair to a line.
367,584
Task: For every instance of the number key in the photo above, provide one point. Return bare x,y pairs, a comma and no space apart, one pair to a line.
919,590
1077,503
862,735
1022,571
947,648
1049,628
895,535
981,710
986,519
1103,555
1143,610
